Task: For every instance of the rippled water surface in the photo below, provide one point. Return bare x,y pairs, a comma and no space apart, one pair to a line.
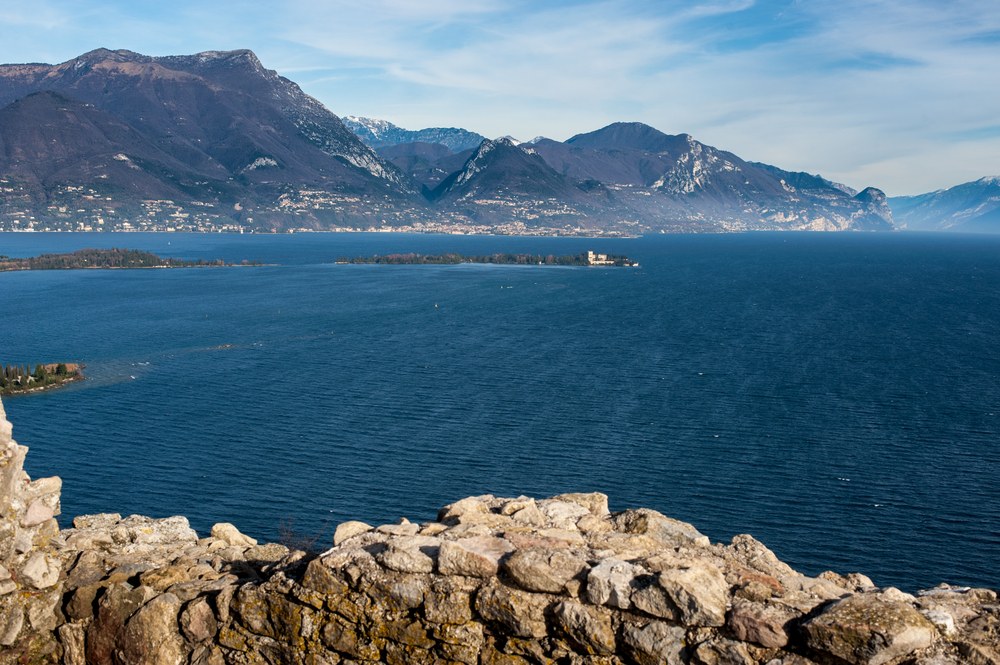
835,395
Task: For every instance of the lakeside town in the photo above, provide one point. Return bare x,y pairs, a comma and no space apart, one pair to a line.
77,208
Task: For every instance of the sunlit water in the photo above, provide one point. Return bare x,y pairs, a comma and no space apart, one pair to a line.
837,396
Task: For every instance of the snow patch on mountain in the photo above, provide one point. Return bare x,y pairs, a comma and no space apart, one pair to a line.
259,163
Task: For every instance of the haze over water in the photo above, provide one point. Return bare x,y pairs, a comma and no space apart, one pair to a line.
835,395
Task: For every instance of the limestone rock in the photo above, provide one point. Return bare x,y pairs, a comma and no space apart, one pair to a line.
544,570
699,591
517,612
151,637
588,628
867,629
659,526
595,502
228,533
406,559
473,505
472,557
720,651
610,583
198,622
40,571
346,530
760,623
654,643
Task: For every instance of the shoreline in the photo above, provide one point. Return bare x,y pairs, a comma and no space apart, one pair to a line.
76,375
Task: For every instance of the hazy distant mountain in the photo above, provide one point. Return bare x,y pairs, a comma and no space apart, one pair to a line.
972,206
378,133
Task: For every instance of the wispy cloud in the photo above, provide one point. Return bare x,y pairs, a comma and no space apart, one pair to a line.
872,93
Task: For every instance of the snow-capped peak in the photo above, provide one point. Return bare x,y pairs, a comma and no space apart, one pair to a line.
375,126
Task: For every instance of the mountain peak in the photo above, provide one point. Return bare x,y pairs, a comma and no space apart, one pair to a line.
631,136
102,54
871,194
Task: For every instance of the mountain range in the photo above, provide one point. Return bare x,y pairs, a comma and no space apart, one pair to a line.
972,206
215,141
381,133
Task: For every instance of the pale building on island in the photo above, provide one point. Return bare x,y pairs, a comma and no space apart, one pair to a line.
598,259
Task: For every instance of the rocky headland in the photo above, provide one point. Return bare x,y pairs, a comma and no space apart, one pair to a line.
491,581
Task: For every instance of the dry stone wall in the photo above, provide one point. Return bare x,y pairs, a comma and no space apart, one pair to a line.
491,581
30,567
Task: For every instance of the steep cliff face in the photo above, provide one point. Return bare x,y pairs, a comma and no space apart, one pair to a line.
492,580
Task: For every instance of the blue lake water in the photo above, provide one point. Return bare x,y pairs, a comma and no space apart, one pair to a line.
835,395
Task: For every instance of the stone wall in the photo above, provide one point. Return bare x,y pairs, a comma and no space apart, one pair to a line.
491,581
30,569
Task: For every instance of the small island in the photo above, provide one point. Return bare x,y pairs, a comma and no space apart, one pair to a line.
114,258
588,258
16,379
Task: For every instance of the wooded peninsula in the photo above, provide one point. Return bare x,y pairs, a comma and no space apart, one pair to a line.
20,379
114,258
452,258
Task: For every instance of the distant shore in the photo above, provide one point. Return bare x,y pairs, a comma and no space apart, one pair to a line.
583,259
106,259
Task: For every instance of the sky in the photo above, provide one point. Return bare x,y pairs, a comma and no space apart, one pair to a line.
903,95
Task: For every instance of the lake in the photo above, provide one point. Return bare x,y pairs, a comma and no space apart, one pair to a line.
835,395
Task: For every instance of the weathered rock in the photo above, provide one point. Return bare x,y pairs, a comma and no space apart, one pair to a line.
544,570
654,643
588,628
610,583
699,591
472,557
198,622
563,514
867,629
652,599
115,607
516,612
228,533
72,636
40,571
403,528
659,526
473,505
595,502
150,636
720,651
760,623
448,601
346,530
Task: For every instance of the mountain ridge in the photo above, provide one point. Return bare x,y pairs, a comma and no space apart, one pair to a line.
215,140
970,207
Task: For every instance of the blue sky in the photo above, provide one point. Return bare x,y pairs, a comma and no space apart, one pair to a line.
899,94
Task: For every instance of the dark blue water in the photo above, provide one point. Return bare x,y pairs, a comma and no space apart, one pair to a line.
837,396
